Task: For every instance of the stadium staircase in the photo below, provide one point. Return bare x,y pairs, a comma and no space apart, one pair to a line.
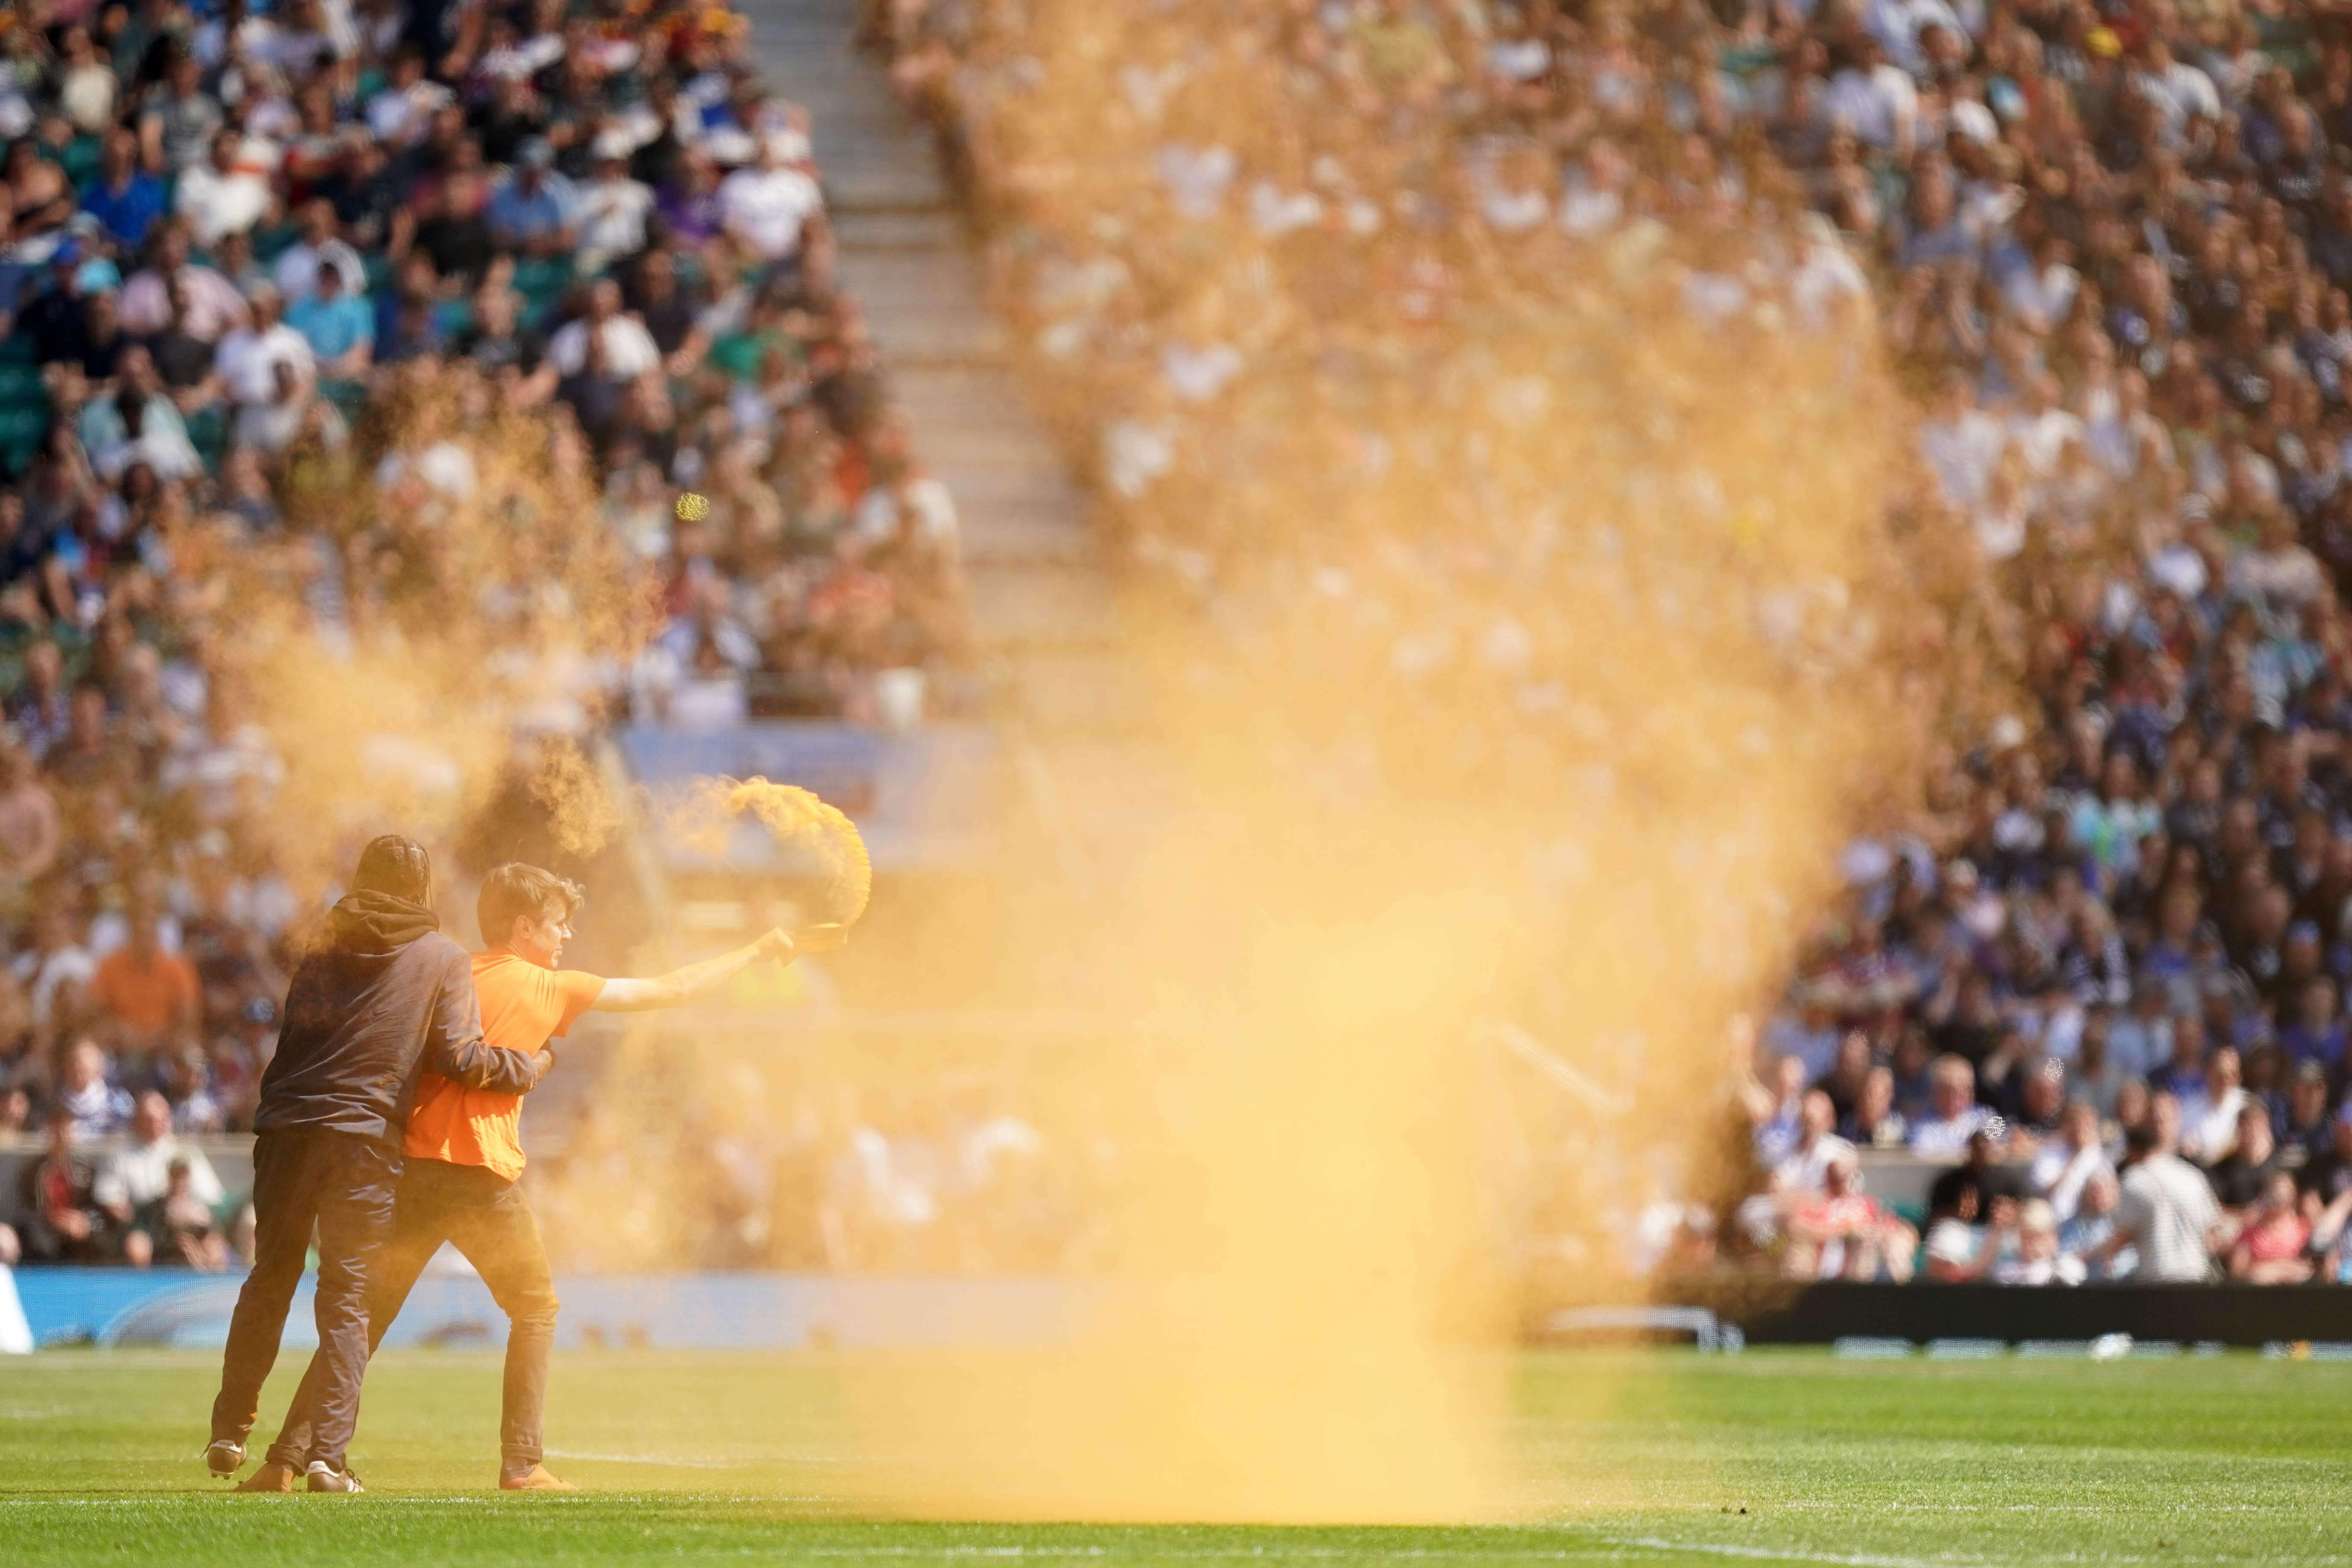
1044,599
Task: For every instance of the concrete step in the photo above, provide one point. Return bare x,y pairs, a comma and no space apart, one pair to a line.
858,233
1061,511
956,447
1010,491
974,398
940,339
915,281
851,189
1007,542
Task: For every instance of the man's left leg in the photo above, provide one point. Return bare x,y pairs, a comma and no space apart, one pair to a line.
418,1233
499,1234
355,1221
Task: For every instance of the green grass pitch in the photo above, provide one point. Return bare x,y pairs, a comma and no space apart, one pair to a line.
1772,1457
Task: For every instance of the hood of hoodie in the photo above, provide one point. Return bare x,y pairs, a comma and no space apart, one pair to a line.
373,924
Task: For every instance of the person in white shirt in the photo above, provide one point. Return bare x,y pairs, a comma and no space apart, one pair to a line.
914,503
1954,1116
1827,280
764,208
629,349
2167,1211
1876,101
1801,1175
402,114
1804,1174
297,271
1594,200
2179,91
2208,1117
2040,431
56,961
608,213
2065,1164
135,1176
2038,287
1962,443
247,359
2037,1260
2124,434
225,195
1897,24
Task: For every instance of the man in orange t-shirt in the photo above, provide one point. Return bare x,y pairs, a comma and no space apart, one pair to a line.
152,993
464,1149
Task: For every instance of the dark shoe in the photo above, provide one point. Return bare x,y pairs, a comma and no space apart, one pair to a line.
536,1480
223,1458
324,1479
272,1476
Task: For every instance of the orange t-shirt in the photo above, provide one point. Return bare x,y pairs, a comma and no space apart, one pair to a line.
523,1007
147,996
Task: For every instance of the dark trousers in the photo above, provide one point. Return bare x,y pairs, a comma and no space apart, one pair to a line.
485,1218
342,1184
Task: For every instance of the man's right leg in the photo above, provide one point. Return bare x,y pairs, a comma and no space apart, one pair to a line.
418,1233
284,1203
355,1221
497,1233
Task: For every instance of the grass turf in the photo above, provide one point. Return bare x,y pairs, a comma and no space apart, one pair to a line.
1770,1456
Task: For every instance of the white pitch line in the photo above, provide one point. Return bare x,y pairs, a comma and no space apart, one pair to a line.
1780,1554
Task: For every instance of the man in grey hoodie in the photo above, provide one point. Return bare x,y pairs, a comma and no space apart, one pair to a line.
385,997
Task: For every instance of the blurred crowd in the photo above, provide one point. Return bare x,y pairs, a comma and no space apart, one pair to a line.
268,273
2108,244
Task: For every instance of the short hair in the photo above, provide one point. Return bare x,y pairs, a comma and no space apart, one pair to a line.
516,892
394,865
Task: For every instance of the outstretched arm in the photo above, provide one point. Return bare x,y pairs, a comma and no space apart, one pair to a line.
698,980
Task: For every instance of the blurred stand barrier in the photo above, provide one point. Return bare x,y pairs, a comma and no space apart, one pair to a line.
761,1312
231,1155
117,1307
1776,1312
